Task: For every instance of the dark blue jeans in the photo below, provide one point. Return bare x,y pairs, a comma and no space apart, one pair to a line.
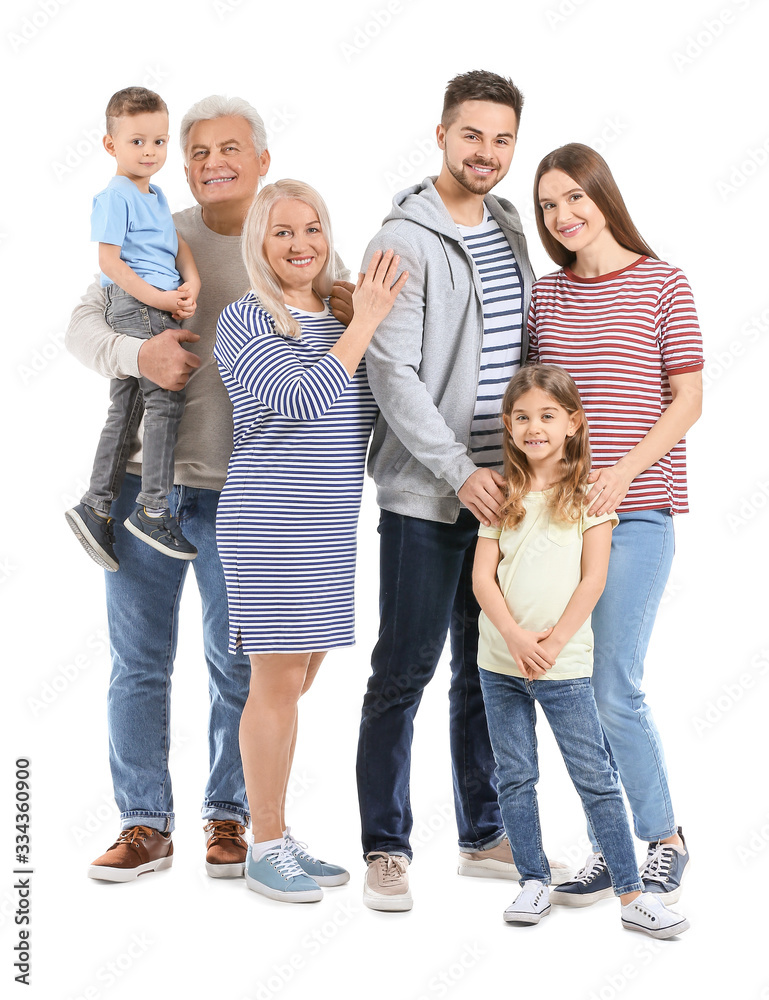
425,591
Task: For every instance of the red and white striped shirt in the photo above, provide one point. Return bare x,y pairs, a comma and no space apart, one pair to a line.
620,335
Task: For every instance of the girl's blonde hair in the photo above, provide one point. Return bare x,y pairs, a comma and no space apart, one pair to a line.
264,281
567,496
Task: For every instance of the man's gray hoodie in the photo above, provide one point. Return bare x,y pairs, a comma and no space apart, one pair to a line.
424,360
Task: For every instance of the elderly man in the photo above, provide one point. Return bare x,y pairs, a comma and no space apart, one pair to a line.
224,145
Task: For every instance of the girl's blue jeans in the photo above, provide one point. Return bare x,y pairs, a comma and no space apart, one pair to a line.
570,709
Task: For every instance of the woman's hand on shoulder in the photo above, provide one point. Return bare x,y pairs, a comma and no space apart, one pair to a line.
379,287
608,489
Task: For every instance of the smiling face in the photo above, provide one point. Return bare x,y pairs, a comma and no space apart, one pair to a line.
570,216
222,163
539,426
478,145
139,143
295,247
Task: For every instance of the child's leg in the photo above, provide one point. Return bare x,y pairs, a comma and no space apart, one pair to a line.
511,717
570,709
163,409
114,444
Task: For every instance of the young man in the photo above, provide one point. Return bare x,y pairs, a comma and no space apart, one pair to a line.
224,145
438,366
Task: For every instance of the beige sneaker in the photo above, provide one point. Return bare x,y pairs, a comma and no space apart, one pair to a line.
387,882
497,862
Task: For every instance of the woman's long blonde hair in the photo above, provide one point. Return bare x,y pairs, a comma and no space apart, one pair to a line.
567,496
264,281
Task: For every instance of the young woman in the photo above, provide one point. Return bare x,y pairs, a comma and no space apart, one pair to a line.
287,516
537,577
623,324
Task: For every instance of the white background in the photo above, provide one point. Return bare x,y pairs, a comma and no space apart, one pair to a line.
674,95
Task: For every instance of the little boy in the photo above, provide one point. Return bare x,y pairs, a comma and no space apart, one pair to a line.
143,262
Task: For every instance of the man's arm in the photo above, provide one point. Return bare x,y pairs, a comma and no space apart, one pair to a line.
116,355
393,361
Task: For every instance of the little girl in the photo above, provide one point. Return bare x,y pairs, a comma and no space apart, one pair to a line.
537,577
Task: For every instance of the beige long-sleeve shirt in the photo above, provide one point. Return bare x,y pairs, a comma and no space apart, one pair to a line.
205,434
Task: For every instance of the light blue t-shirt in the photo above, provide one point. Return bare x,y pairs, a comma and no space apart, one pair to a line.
141,225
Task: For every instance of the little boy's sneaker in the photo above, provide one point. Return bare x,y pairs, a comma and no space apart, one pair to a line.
530,905
387,882
96,533
663,869
590,884
277,875
322,872
162,533
648,914
225,848
497,862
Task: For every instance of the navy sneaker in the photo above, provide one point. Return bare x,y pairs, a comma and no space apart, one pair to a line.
162,533
95,533
663,870
590,884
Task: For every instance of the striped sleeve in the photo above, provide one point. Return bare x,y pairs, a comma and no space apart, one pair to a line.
265,366
532,354
678,328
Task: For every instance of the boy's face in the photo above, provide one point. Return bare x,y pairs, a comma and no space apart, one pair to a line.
139,143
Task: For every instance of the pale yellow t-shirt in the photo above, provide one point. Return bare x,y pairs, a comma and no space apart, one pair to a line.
539,570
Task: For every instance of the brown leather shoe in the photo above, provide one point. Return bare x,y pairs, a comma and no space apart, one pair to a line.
138,850
226,849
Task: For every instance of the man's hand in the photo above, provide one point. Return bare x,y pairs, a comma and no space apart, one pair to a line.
165,362
341,301
482,494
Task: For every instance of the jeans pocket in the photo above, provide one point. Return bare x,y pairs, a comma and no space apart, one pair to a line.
127,315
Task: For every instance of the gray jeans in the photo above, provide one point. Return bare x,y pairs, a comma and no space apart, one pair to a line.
129,397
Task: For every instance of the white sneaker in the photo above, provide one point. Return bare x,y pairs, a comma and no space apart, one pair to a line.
387,882
647,913
530,905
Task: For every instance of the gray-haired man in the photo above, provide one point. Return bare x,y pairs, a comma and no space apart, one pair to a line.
224,145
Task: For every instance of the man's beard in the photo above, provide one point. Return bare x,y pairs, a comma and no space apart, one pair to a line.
476,185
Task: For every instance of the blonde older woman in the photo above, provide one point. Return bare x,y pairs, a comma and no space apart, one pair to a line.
286,523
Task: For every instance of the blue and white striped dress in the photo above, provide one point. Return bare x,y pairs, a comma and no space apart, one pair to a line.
287,517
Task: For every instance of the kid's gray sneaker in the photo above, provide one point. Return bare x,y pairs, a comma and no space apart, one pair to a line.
162,533
95,533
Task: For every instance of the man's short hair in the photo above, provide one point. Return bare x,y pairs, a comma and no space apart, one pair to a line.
218,106
479,85
132,101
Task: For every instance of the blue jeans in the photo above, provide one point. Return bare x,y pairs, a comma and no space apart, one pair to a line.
642,548
143,612
129,398
425,591
570,709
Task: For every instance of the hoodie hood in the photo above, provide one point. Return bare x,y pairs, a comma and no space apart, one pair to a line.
422,205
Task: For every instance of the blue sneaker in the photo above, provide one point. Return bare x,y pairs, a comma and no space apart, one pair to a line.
277,875
162,533
96,533
590,884
321,871
663,870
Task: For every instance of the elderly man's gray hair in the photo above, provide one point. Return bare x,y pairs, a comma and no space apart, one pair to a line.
218,106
